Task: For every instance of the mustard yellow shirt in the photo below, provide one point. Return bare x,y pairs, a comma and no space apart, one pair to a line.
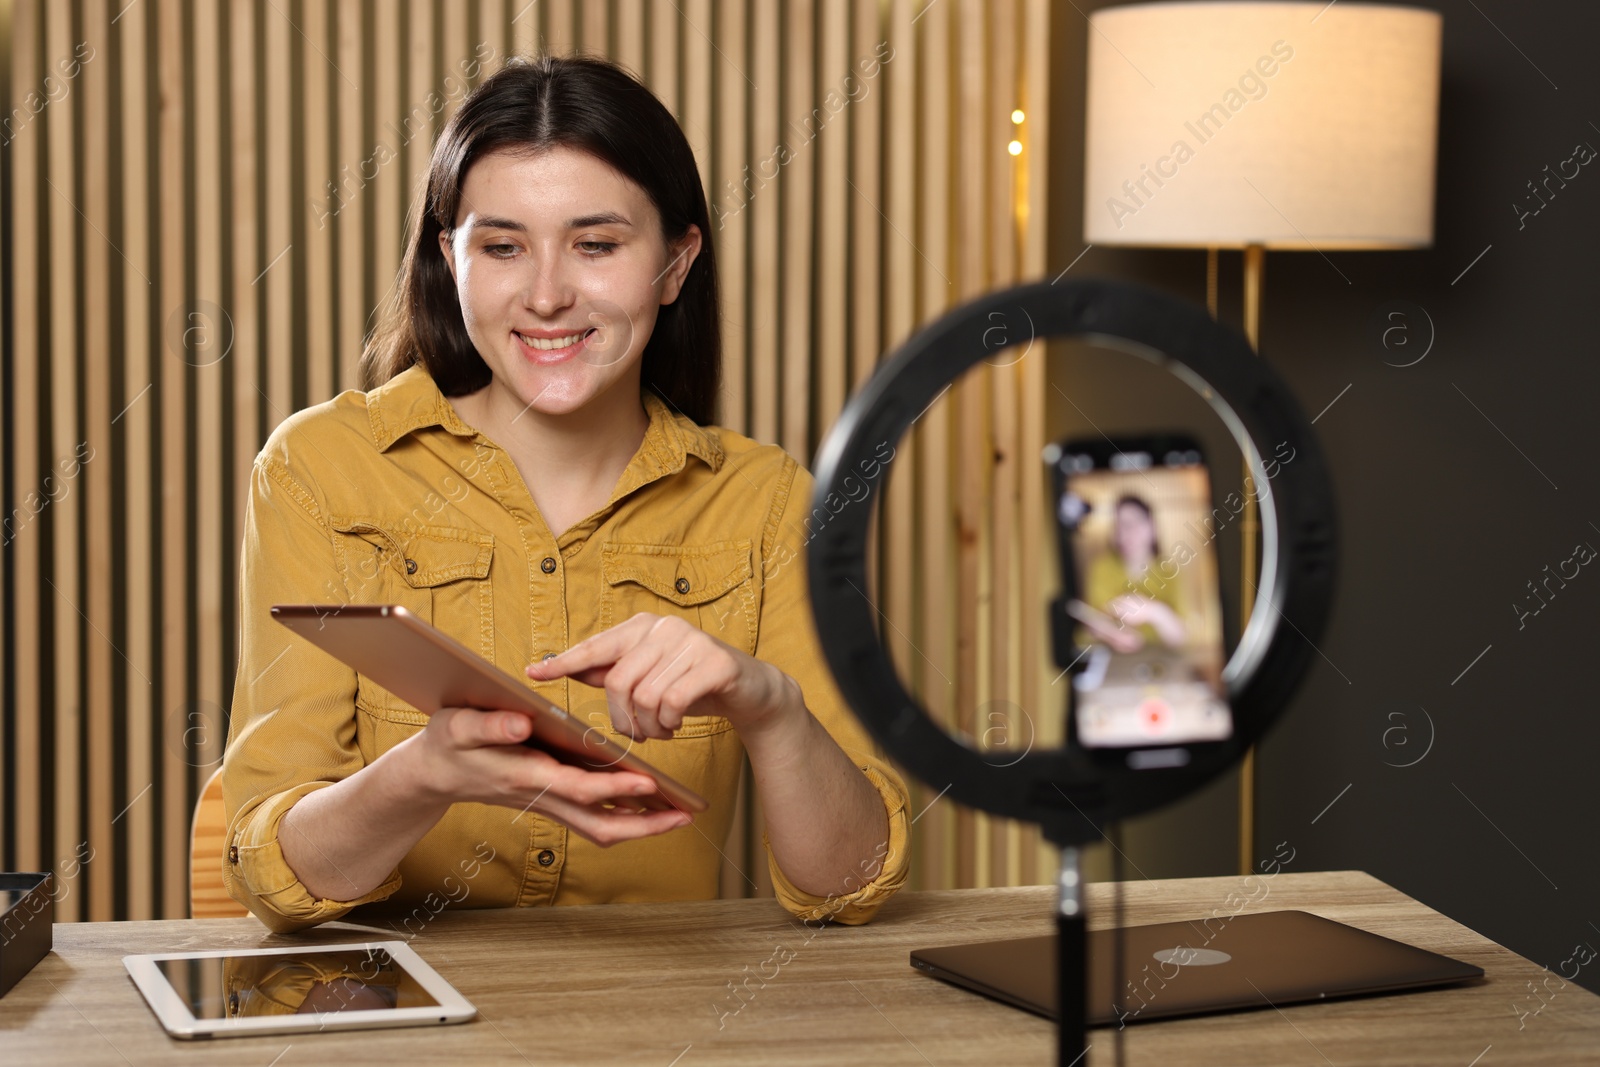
1108,578
387,497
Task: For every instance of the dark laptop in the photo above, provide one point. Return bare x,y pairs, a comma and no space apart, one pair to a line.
1188,968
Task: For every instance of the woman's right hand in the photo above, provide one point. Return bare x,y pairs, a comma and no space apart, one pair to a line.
1118,638
478,756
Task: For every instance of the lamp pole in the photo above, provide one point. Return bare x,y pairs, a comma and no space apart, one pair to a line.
1255,261
1250,524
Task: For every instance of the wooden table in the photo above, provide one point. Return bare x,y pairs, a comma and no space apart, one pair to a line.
652,984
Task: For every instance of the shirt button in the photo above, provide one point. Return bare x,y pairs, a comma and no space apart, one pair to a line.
551,655
549,565
681,585
233,853
411,566
546,858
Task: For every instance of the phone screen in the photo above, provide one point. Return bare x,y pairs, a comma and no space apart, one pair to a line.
1143,596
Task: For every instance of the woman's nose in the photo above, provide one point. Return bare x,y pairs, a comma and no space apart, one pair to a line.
549,290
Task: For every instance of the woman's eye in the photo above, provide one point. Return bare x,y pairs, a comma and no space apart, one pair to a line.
501,251
595,248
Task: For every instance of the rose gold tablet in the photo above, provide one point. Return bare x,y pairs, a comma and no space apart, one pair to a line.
429,671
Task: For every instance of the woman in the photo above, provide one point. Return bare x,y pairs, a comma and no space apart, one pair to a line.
532,472
1139,604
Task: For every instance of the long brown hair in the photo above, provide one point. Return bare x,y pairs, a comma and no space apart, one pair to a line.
577,102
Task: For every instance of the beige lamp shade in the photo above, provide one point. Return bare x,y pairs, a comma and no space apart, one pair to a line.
1287,125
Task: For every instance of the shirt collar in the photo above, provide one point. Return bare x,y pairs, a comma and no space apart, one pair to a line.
670,439
407,402
411,401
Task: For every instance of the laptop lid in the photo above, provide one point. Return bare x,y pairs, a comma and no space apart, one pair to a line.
1188,968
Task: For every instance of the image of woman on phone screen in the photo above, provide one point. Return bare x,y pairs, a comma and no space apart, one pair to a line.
533,468
1135,605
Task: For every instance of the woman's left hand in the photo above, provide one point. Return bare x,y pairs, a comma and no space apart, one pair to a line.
825,820
656,669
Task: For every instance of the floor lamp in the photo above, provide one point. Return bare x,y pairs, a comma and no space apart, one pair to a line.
1295,126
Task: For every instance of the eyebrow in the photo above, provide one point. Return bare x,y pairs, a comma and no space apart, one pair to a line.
602,218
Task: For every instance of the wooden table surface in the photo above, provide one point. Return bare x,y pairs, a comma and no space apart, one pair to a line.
650,984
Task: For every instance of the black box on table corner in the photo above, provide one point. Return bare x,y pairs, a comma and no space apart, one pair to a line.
26,924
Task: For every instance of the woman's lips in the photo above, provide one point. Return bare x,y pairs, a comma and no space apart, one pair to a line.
553,349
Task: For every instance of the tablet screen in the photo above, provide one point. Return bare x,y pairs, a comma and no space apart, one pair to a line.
306,982
299,989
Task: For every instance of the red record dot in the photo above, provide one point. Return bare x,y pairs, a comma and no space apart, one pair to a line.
1154,714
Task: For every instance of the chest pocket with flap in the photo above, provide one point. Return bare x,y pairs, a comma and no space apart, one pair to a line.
440,574
711,585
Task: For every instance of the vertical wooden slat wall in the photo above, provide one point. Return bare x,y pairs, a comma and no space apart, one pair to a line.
205,209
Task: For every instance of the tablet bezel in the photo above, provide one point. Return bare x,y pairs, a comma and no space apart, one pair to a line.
176,1018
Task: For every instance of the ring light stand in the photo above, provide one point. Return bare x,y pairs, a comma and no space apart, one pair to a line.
1072,792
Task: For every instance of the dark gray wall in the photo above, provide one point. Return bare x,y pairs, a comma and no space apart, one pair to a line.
1458,479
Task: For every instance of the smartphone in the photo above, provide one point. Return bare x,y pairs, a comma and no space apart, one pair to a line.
1141,593
429,670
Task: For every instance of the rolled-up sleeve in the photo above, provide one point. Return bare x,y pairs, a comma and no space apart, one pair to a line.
293,724
788,640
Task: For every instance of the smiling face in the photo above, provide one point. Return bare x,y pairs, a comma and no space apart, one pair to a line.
1134,534
560,266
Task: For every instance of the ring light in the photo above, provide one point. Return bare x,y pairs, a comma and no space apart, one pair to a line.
1071,791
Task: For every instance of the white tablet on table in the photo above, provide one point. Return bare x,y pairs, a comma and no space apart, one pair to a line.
299,989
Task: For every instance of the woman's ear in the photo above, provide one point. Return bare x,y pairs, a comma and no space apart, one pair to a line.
683,252
447,245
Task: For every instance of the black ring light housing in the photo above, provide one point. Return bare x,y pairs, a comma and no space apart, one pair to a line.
1071,791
